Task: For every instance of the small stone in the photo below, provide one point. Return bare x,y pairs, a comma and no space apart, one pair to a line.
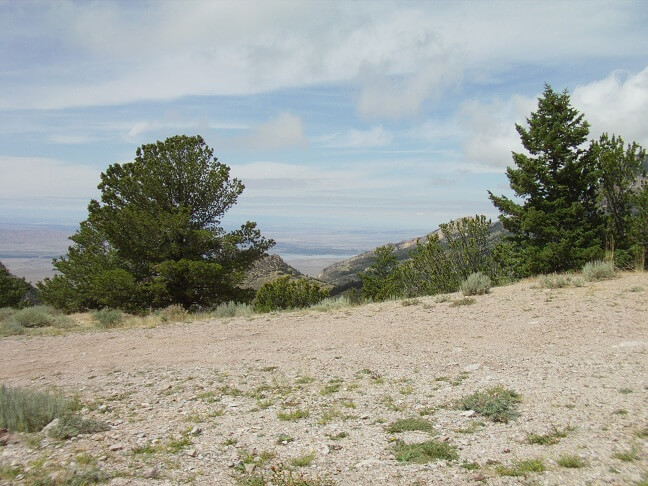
472,367
196,430
116,447
151,473
192,453
365,417
479,477
53,424
506,451
468,413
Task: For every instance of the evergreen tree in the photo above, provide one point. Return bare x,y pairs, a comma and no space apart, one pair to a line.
155,238
620,170
556,225
379,281
13,290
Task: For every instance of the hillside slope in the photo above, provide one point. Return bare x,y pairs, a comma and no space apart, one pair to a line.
344,275
323,389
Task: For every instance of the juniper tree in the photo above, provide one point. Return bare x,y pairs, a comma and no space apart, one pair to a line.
555,226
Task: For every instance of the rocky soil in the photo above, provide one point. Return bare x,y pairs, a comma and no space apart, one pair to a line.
223,401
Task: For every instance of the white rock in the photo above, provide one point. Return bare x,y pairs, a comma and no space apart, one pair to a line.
472,367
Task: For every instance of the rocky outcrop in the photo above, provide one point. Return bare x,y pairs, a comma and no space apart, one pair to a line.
270,268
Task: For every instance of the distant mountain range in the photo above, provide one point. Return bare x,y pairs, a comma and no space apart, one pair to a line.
343,275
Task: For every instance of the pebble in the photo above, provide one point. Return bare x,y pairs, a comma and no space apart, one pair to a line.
116,447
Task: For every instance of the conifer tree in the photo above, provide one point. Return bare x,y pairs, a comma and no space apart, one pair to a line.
555,226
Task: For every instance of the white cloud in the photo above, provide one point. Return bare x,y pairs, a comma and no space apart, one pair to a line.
34,177
284,131
617,104
374,137
490,134
105,53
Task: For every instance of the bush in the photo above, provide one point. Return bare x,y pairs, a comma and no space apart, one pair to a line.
232,309
39,316
476,284
23,410
598,270
284,293
173,313
108,318
71,425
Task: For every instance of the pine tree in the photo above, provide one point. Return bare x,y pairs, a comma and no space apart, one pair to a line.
155,237
556,226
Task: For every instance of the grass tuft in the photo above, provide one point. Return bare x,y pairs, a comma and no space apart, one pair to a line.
497,403
571,461
522,468
23,410
424,452
410,424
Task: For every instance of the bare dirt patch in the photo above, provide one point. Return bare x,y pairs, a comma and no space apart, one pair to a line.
215,401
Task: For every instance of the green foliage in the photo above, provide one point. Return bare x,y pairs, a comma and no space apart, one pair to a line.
424,452
155,238
23,410
108,317
522,468
476,284
497,403
571,461
409,424
619,171
440,266
13,290
284,293
380,281
598,270
557,226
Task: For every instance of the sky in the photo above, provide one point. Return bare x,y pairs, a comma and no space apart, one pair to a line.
366,118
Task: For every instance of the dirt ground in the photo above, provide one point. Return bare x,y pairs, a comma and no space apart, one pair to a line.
218,401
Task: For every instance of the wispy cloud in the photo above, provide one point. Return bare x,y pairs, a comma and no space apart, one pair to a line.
286,130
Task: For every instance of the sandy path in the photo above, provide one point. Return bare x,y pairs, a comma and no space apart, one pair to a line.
569,352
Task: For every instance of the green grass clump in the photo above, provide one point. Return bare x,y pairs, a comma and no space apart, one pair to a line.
279,475
476,284
293,415
627,456
550,438
571,461
497,403
598,270
304,460
410,424
23,410
424,452
108,318
522,468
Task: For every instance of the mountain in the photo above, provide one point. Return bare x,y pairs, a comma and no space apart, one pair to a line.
270,268
343,275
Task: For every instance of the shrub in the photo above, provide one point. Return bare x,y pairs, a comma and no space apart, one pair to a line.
108,317
284,293
232,309
71,425
173,313
476,284
11,328
497,403
40,316
598,270
23,410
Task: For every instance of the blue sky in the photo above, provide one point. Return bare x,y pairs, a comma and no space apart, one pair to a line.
376,117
